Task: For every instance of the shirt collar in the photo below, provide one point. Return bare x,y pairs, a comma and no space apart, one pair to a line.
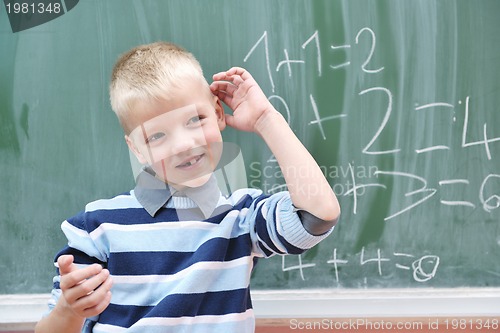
152,193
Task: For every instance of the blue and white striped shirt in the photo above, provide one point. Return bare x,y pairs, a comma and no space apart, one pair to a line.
182,275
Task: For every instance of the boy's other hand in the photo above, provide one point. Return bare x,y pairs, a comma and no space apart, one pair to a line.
85,292
238,90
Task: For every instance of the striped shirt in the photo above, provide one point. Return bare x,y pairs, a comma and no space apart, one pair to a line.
174,274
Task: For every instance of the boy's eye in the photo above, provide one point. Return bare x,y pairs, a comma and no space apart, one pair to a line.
154,137
195,120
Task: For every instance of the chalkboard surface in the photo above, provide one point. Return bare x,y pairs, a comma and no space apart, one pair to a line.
397,100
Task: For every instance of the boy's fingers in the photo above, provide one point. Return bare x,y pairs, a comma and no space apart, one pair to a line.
239,71
218,85
89,286
218,76
223,78
93,303
86,287
76,276
229,120
100,305
224,87
65,263
103,304
226,98
236,75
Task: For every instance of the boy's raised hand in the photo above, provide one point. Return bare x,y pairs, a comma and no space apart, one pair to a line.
85,292
238,90
252,111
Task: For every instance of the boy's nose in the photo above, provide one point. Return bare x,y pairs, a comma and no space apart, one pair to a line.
182,145
185,142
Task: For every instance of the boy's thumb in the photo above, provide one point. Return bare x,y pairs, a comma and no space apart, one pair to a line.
65,263
229,120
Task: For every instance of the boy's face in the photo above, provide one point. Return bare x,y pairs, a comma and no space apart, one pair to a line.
180,139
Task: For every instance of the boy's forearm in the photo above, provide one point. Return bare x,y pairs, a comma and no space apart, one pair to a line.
306,183
59,321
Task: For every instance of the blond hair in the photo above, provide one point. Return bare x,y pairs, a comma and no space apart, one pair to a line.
148,72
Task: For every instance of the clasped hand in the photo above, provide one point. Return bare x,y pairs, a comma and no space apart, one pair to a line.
86,291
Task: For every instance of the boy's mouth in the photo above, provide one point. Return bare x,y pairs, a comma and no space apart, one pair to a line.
190,162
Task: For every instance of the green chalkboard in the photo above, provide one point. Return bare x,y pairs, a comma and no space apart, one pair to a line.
397,100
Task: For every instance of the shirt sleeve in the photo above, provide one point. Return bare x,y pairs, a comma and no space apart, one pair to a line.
276,228
84,252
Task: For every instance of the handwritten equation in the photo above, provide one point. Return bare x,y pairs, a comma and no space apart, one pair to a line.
365,41
422,268
359,56
488,202
314,42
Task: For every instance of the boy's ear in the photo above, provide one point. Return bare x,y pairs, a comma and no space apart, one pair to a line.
219,110
134,149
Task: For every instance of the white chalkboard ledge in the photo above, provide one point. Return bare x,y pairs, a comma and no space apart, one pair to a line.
377,303
21,312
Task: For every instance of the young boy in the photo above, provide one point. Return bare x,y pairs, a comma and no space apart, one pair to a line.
174,254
